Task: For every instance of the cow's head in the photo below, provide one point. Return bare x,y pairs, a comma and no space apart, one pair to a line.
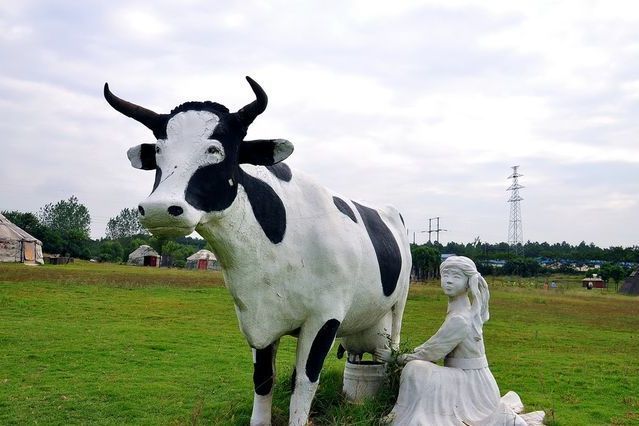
196,159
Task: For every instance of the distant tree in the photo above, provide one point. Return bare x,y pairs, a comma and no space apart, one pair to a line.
426,261
178,252
111,251
614,272
522,266
67,223
67,216
125,224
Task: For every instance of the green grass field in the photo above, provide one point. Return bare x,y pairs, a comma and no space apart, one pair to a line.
109,344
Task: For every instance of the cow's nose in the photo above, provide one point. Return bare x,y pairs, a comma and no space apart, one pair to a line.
141,210
175,210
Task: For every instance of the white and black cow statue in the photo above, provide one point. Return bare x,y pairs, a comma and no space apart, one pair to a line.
297,259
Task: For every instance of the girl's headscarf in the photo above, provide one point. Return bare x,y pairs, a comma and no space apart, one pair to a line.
477,287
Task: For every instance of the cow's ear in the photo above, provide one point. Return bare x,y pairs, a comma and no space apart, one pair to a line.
142,156
265,152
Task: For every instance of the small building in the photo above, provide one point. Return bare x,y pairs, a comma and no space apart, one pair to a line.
203,259
582,268
593,282
144,256
16,245
631,284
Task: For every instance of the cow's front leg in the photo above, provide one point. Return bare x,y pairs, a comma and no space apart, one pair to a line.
314,342
263,381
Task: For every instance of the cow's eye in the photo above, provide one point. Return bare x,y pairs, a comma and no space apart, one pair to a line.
157,149
213,149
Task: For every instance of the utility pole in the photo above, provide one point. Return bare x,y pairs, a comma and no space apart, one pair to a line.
515,231
437,229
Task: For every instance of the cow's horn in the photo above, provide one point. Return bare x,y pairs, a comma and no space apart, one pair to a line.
145,116
247,114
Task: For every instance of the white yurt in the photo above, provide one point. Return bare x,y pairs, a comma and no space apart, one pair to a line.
203,259
144,256
16,245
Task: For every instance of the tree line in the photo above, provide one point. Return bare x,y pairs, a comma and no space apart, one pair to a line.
612,263
64,228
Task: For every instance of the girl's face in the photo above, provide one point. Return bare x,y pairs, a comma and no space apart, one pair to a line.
454,282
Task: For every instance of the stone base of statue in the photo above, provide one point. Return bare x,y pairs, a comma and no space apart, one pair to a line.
362,380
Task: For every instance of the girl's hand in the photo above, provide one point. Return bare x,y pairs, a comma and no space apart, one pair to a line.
384,354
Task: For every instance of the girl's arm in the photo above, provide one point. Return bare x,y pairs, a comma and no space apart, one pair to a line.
452,332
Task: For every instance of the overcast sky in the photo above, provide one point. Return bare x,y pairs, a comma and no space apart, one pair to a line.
421,104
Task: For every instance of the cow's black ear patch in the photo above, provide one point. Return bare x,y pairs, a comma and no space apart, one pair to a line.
319,349
387,251
263,370
264,152
344,208
267,207
281,171
142,156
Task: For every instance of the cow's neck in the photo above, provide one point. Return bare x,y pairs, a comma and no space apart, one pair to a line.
234,235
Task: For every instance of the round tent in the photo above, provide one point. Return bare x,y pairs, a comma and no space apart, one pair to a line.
203,259
16,245
144,256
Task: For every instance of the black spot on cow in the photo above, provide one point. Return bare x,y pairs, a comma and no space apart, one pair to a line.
344,208
281,171
387,251
267,207
402,219
319,349
263,370
340,351
295,333
209,189
214,107
158,178
293,379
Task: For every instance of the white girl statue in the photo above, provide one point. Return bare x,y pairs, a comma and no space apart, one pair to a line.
463,391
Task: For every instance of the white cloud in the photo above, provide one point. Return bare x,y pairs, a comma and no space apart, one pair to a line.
142,23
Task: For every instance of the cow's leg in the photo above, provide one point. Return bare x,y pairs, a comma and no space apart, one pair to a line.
314,342
263,381
398,313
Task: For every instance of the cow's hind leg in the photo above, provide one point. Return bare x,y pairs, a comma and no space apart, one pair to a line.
314,343
263,381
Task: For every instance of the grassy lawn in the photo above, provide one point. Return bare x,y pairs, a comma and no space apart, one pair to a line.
111,344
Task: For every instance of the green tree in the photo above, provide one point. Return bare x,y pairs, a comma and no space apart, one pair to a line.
125,224
426,261
68,223
111,251
614,272
522,266
67,216
177,252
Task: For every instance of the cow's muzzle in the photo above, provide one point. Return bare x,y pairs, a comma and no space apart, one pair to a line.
168,218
